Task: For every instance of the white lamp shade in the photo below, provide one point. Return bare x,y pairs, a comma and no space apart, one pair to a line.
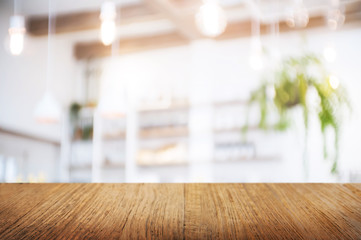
111,106
48,110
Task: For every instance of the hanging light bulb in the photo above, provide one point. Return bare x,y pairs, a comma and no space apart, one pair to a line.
16,33
298,15
335,15
335,18
256,57
211,19
47,110
108,28
329,52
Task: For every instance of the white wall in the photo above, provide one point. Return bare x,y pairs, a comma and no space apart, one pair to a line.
23,159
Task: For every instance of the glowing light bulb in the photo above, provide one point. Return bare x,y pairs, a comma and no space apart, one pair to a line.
333,81
211,19
16,34
329,53
298,16
108,28
256,58
335,18
107,32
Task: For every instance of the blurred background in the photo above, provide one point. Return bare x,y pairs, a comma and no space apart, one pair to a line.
180,91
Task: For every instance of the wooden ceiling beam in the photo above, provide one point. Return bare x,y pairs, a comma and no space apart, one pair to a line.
72,22
233,30
179,16
129,45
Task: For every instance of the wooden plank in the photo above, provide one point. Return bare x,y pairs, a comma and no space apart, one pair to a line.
235,211
270,211
93,211
130,45
327,211
80,21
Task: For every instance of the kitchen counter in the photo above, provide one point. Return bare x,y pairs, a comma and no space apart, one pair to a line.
180,211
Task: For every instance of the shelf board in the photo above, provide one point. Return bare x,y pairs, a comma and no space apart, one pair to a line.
84,141
174,107
89,166
169,164
230,102
255,159
163,132
235,129
110,137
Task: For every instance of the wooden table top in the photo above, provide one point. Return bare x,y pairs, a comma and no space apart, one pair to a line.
180,211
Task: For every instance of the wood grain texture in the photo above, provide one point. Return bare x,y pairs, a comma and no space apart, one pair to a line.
180,211
82,21
91,211
272,211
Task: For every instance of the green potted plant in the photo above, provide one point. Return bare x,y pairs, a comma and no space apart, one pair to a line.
292,82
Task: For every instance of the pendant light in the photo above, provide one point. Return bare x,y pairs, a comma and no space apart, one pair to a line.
335,15
108,28
335,18
17,31
112,100
298,15
48,109
211,19
256,56
275,33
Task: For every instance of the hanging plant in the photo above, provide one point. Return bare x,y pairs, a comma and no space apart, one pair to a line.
296,77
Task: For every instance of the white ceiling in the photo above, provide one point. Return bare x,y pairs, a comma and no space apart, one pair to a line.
40,7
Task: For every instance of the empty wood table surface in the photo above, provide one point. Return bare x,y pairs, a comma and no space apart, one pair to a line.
180,211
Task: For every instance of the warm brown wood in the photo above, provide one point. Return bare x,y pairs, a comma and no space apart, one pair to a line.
272,211
131,45
180,211
233,30
164,132
175,12
80,21
91,211
181,13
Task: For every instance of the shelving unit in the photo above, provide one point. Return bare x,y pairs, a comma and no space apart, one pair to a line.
229,144
163,135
